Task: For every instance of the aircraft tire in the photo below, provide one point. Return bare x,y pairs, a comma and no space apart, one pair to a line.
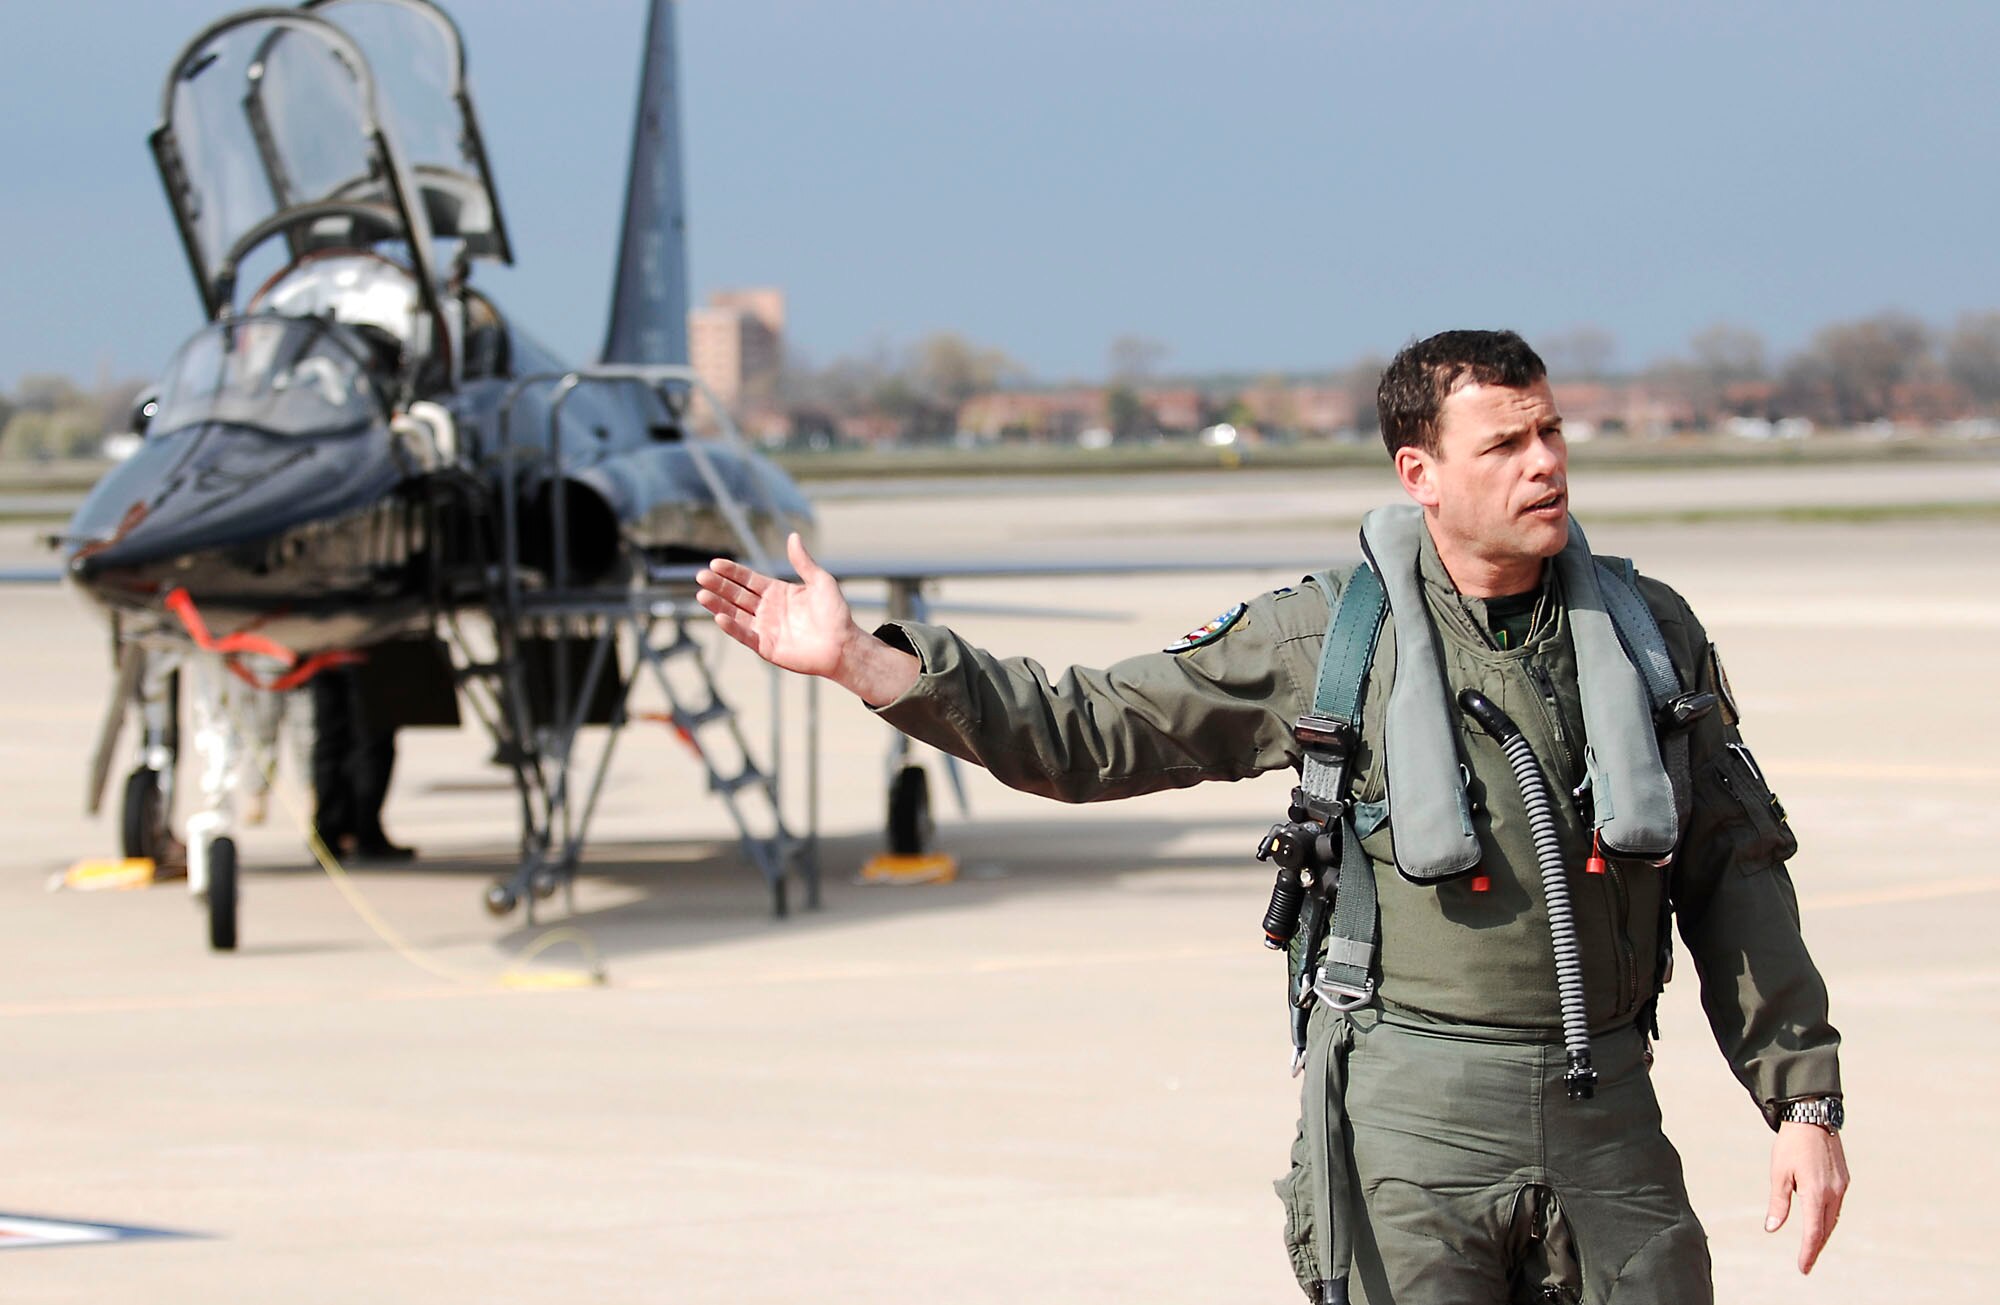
222,895
910,825
145,821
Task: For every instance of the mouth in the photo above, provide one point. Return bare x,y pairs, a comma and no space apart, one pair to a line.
1552,506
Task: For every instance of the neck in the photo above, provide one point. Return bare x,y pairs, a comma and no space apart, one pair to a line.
1478,576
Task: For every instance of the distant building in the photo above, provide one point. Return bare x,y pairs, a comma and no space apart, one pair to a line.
1308,409
1033,414
1174,408
1622,407
736,344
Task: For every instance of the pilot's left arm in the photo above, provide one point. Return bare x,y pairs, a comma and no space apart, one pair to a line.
1739,917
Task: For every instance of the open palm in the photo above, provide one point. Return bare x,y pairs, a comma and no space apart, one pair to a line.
799,627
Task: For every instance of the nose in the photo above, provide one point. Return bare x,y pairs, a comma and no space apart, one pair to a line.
1549,456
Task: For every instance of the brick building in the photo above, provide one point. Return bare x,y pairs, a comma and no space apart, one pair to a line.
736,344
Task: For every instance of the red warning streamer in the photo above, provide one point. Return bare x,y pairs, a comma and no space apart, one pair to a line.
181,603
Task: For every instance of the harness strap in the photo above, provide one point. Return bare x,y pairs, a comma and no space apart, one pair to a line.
1345,656
1347,979
1351,632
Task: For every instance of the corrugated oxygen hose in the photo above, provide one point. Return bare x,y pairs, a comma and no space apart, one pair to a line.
1535,795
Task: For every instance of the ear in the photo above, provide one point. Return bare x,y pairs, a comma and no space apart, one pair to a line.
1415,469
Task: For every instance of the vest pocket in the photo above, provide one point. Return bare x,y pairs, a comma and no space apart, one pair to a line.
1763,838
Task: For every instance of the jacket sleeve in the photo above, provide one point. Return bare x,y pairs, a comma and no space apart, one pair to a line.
1738,910
1156,721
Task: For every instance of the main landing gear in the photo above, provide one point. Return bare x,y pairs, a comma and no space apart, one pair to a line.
222,895
145,816
910,824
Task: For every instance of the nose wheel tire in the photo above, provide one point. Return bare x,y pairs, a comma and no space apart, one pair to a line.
500,899
910,824
222,895
145,815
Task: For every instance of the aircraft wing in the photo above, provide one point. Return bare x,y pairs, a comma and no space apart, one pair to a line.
907,571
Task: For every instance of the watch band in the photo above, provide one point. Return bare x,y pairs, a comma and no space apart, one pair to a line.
1828,1112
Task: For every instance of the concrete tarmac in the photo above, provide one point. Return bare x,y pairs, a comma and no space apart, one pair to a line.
1061,1079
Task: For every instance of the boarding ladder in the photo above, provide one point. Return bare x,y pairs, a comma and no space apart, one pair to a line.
579,631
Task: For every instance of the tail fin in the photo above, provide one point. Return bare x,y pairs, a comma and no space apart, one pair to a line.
649,298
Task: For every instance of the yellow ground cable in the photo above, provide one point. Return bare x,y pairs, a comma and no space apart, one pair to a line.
512,977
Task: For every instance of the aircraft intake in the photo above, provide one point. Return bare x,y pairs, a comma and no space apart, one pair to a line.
587,524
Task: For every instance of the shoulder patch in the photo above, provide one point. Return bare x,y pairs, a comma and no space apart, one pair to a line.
1202,636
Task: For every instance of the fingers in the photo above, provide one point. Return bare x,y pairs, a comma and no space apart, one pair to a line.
754,581
802,561
1823,1208
1780,1206
715,584
1819,1216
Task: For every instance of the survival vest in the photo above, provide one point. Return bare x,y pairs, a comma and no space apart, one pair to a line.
1636,765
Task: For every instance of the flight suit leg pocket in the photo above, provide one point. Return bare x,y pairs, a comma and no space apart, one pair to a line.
1318,1192
1295,1193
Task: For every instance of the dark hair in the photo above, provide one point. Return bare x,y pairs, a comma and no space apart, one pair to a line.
1418,380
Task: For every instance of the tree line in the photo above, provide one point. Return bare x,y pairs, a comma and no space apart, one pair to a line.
49,416
1887,366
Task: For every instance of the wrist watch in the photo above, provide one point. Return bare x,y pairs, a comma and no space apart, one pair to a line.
1827,1112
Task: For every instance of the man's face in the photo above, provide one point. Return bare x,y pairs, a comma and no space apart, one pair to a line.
1498,486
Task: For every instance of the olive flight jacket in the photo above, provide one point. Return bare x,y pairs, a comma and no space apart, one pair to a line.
1224,710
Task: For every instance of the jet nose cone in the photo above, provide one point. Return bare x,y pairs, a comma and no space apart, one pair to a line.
211,503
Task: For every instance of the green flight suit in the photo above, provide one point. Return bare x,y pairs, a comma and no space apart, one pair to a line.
1477,1176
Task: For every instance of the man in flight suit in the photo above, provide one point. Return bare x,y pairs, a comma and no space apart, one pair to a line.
1460,1172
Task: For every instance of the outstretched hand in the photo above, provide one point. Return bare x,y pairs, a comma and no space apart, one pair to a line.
797,627
804,626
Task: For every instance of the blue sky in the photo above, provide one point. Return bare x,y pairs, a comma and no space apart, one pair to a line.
1280,185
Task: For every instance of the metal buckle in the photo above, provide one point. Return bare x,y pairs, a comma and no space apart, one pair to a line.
1327,734
1343,998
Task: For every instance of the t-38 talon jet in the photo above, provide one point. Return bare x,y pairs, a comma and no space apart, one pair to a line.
359,457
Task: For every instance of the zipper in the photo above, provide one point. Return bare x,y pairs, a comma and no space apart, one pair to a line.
1552,714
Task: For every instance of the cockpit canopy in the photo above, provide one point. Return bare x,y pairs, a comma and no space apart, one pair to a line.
290,376
339,125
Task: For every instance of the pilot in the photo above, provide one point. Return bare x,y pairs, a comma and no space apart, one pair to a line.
1442,1158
